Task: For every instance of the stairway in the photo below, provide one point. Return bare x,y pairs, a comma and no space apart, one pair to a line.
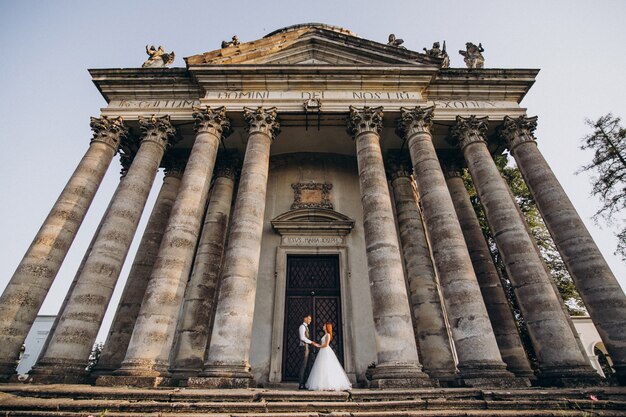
84,400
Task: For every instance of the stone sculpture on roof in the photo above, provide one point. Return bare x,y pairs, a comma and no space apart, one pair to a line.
158,57
438,52
473,56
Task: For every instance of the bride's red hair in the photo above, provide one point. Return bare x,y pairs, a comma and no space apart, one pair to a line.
329,328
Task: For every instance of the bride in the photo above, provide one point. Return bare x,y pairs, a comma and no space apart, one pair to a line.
327,373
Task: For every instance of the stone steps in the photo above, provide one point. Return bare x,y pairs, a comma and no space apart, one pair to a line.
81,400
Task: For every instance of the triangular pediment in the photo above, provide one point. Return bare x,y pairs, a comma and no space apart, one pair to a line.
317,221
312,44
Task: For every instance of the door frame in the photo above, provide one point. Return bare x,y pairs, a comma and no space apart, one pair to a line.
280,293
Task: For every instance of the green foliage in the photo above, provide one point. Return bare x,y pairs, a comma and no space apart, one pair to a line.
608,141
94,356
538,230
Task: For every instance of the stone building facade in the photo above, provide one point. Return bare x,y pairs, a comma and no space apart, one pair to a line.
312,171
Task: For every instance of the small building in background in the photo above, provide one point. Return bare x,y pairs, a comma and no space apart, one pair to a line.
34,343
594,348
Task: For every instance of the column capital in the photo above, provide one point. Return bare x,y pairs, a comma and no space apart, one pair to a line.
416,120
398,165
262,120
174,164
518,130
158,130
367,119
128,148
228,166
213,121
109,131
452,166
469,130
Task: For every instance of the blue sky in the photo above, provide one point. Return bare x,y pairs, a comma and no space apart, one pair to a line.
46,95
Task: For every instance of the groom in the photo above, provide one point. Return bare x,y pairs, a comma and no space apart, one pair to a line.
303,332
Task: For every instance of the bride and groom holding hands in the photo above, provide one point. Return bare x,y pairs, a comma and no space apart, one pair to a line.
327,373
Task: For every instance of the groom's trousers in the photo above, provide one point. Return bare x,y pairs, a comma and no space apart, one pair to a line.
305,361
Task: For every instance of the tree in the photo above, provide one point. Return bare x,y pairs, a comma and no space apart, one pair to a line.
94,356
538,230
608,141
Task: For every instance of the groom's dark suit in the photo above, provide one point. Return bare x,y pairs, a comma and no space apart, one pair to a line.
304,351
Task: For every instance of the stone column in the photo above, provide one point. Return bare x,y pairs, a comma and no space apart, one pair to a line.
397,361
602,294
227,364
197,312
68,351
114,348
497,305
479,360
430,324
558,354
147,358
33,277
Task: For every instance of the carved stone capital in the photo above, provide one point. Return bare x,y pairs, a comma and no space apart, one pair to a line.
518,130
107,130
158,130
469,130
398,165
129,145
213,121
364,120
228,166
174,164
416,120
452,166
262,120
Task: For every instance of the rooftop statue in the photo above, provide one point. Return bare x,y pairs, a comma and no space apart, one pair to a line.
437,52
473,56
158,57
393,41
234,42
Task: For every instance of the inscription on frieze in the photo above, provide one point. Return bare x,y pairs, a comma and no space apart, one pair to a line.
307,95
155,104
471,104
312,240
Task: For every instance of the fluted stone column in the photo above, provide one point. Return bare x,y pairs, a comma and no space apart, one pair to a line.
479,360
29,285
114,348
147,358
68,351
227,364
497,305
430,325
396,352
197,312
557,352
602,294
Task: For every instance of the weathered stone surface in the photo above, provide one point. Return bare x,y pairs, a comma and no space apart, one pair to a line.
397,358
231,337
476,346
598,287
33,277
497,305
430,326
114,348
73,339
150,344
554,342
196,316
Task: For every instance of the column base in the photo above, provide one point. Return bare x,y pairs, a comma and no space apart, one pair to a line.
400,375
223,376
572,377
7,371
58,372
489,375
620,373
134,381
444,376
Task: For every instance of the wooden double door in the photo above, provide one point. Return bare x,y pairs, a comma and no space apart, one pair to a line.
313,288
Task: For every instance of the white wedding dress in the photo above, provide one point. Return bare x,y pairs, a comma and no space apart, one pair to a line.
327,373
